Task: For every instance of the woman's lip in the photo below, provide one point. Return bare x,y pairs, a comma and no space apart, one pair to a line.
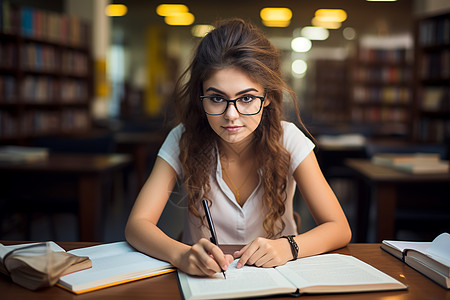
232,128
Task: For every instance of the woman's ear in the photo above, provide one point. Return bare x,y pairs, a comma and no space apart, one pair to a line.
266,101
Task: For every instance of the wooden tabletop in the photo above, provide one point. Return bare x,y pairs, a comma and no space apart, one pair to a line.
70,163
166,286
380,173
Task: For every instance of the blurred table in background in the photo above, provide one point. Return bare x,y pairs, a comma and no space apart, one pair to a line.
381,184
91,173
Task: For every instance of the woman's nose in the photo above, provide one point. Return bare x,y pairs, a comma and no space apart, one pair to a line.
231,113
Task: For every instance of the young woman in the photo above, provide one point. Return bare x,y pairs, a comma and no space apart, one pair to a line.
232,148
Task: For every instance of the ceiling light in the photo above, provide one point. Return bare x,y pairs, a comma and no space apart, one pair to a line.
315,33
349,33
331,15
165,10
328,25
201,30
180,19
116,10
301,44
276,16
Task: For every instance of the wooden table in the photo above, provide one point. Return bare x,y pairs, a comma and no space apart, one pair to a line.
90,171
166,286
383,183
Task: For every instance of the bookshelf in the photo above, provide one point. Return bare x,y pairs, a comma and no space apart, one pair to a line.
45,74
331,101
382,76
432,79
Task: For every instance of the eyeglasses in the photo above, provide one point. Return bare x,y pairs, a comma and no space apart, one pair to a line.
246,105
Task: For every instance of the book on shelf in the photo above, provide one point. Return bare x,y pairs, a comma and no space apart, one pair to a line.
416,163
112,264
21,154
39,265
326,273
429,258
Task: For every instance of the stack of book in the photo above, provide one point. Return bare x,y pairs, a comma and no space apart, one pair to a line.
22,154
417,163
429,258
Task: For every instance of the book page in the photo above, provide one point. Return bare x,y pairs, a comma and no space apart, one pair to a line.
247,281
402,245
333,270
440,248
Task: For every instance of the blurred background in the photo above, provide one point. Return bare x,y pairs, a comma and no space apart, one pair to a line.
95,77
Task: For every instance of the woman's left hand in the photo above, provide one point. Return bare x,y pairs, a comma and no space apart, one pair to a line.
264,253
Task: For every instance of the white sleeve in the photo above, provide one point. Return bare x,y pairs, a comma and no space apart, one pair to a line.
296,143
170,149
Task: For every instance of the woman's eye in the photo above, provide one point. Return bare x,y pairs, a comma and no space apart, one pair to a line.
216,99
247,99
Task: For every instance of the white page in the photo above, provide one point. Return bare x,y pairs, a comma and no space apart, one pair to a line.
402,245
440,249
332,270
242,282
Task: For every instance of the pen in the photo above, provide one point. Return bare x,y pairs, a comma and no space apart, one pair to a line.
211,228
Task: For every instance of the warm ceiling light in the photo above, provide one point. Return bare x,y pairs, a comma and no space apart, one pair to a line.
276,23
276,16
315,33
331,15
328,25
180,19
201,30
165,10
116,10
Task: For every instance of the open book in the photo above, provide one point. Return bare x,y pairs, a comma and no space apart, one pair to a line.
112,264
430,258
326,273
39,265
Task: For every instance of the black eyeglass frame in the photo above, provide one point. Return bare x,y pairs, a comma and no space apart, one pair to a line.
262,98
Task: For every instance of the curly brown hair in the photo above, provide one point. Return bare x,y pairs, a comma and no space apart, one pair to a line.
235,43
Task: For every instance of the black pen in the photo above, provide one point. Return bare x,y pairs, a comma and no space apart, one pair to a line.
211,228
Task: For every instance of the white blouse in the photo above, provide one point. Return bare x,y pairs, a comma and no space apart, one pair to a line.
235,224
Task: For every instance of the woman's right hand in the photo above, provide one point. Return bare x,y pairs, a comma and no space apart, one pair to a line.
203,259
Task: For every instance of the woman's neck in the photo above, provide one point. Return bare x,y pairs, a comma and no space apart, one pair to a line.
237,152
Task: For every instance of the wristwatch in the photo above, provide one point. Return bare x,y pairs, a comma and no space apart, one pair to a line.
293,244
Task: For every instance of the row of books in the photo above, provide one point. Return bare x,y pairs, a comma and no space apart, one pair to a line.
434,130
43,122
7,89
416,163
382,95
8,53
44,89
377,114
435,32
392,56
43,25
46,58
435,65
385,74
435,99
